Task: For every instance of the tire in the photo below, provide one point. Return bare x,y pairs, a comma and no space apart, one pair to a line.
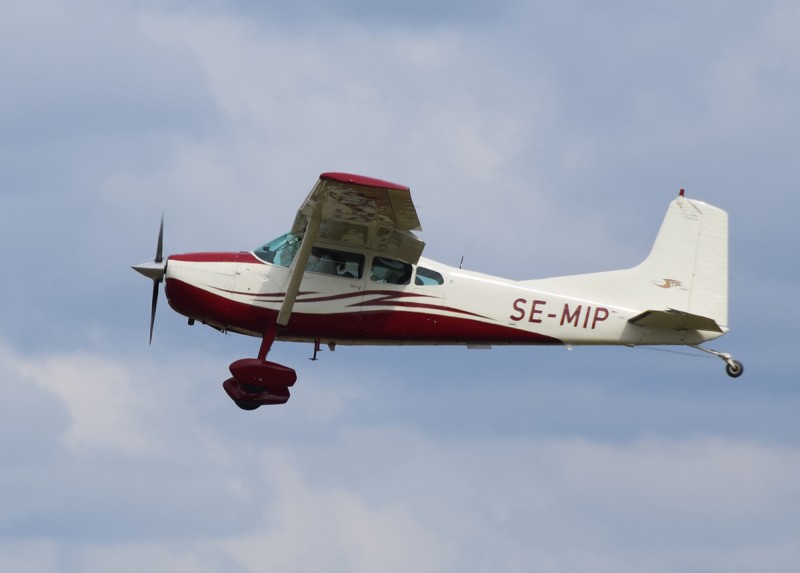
734,369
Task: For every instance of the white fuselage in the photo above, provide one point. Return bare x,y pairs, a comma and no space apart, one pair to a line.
238,292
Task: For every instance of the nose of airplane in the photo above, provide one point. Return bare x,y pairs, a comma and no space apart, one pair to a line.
155,270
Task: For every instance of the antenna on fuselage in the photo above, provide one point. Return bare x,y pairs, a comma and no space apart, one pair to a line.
469,246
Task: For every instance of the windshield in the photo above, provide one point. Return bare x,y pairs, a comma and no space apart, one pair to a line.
280,251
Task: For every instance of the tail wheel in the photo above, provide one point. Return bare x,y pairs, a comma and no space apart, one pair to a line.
734,368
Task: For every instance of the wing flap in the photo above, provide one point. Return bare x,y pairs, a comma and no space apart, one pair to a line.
675,320
365,213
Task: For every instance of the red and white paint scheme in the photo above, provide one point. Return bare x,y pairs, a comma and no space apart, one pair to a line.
350,271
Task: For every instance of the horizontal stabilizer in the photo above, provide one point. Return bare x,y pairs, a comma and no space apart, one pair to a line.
675,320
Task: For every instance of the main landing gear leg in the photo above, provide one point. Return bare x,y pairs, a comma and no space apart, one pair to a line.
266,341
733,368
258,382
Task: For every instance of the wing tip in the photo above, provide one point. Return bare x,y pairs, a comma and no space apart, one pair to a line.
362,180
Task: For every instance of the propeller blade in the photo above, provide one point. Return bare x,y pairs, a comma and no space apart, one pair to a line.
160,244
153,307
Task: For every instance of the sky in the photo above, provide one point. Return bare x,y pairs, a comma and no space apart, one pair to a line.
539,139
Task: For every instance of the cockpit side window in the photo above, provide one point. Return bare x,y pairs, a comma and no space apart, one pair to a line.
336,263
391,271
280,251
428,277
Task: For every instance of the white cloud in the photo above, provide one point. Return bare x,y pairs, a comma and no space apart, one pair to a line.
569,504
210,488
404,105
99,396
335,529
510,505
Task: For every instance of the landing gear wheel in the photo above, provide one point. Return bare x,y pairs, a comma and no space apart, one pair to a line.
734,368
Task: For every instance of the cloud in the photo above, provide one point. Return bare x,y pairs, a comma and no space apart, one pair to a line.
558,504
99,397
334,529
424,107
93,448
204,485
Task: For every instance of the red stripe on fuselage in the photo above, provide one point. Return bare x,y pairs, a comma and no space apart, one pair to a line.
240,257
379,298
396,326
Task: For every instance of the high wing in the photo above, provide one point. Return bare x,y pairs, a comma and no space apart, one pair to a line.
364,213
356,212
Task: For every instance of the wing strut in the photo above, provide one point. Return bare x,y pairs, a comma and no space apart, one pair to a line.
299,268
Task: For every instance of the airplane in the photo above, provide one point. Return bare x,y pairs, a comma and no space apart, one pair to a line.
350,271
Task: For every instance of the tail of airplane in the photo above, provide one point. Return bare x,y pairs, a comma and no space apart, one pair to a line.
683,282
679,292
688,266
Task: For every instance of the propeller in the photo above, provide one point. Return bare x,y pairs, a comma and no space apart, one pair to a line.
155,270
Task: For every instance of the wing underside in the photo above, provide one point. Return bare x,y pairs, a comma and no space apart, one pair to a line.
362,213
356,212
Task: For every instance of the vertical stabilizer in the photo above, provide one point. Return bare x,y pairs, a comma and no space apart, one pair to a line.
689,261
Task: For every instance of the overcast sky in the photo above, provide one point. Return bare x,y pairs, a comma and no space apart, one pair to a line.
538,138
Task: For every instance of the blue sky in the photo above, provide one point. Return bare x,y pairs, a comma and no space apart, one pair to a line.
539,138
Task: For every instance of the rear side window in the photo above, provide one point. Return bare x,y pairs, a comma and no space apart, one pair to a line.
428,277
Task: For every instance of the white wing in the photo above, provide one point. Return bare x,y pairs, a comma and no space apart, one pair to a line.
363,213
